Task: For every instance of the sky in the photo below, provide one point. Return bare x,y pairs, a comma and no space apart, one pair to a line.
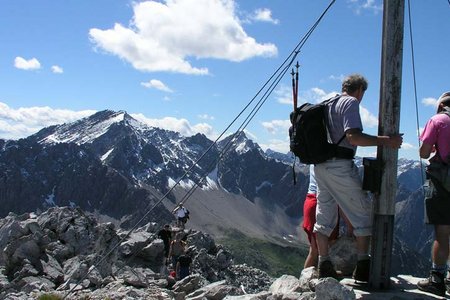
193,65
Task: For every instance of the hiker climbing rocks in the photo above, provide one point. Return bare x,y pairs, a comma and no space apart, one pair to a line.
165,234
177,248
436,139
183,266
182,214
339,182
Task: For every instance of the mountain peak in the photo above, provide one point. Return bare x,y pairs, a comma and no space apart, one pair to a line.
87,129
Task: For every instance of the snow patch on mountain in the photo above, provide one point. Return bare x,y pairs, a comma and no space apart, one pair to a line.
405,165
82,132
105,156
50,200
242,148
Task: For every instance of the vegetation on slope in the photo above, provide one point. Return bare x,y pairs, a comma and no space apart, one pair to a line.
276,260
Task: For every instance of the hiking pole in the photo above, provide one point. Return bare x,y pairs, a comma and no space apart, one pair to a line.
293,89
296,85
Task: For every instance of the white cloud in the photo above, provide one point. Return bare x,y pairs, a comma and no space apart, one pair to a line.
163,35
157,84
277,126
283,94
366,152
179,125
408,146
430,102
264,15
24,121
205,117
281,146
57,69
358,6
367,118
23,64
314,95
338,77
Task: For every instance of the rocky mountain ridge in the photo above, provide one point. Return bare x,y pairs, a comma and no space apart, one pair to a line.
66,253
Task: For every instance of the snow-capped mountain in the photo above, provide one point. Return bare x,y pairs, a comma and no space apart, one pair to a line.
112,164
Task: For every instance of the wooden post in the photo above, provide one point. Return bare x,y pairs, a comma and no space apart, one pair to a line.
389,122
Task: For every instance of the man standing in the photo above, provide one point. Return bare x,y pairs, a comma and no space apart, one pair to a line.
309,219
166,235
436,138
339,181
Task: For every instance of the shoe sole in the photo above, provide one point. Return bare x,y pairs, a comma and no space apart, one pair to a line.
437,293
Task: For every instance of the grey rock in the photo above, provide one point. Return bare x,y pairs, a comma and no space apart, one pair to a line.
330,289
30,284
135,242
52,269
285,284
134,277
259,296
188,284
75,269
306,276
214,291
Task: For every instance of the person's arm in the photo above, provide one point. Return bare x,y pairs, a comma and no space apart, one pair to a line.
170,249
357,138
177,270
425,150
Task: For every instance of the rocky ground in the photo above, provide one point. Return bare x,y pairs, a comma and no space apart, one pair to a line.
65,252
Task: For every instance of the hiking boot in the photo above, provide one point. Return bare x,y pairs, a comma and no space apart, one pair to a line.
326,269
362,270
447,284
433,284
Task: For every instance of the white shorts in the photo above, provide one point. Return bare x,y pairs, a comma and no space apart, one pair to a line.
339,184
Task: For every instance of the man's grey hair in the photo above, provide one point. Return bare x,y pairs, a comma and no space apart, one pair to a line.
353,83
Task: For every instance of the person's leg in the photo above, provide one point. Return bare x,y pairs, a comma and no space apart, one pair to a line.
311,259
362,245
440,251
326,219
322,244
362,269
309,219
435,283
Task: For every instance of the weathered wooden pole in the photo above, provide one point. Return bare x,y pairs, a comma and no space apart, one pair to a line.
389,123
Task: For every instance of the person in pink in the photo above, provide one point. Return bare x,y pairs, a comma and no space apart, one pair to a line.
436,139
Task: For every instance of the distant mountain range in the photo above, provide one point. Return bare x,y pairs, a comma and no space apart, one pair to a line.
118,167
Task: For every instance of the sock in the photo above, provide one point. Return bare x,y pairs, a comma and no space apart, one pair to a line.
439,268
323,258
363,256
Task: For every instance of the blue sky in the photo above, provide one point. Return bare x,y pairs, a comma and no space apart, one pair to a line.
192,65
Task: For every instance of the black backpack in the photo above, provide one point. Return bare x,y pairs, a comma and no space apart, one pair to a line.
309,134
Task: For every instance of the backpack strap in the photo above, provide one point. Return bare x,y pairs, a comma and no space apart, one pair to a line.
293,170
445,111
333,99
341,139
341,152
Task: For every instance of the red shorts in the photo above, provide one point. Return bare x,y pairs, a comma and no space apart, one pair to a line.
309,218
309,214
